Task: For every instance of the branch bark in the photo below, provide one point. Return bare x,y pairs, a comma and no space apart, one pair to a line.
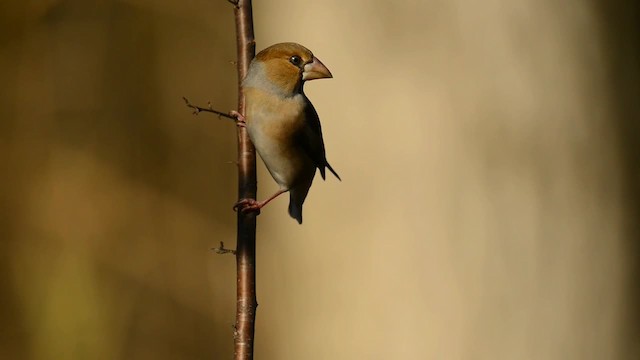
246,304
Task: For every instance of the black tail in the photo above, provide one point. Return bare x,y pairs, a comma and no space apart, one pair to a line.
295,211
296,199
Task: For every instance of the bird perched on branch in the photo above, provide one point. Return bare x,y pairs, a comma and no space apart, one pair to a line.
283,124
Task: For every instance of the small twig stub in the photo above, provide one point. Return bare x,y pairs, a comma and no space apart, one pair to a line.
222,250
209,108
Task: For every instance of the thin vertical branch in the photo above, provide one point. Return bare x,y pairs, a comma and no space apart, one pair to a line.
247,188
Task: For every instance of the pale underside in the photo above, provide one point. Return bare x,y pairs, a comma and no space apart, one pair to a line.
273,122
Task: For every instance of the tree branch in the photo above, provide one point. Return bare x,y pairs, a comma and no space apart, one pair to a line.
198,109
246,303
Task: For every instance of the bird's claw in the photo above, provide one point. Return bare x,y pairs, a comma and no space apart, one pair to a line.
240,119
248,205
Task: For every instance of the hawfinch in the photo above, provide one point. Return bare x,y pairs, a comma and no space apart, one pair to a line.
282,123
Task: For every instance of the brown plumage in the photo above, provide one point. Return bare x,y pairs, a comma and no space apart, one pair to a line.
283,124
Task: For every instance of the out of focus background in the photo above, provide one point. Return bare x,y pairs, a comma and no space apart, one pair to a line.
489,207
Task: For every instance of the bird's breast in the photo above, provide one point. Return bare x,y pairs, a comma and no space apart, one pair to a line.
272,123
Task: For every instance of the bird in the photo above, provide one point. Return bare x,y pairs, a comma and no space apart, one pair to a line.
282,123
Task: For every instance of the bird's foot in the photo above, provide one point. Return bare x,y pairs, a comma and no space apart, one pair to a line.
248,205
240,119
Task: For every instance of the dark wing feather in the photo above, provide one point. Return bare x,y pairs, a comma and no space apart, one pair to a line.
310,139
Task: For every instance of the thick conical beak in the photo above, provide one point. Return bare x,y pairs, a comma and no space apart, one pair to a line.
315,70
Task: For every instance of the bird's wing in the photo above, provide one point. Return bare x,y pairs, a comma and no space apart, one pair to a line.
310,139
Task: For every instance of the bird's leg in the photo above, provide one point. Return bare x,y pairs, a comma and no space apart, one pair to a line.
246,205
240,119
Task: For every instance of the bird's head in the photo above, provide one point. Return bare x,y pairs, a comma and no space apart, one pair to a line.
284,67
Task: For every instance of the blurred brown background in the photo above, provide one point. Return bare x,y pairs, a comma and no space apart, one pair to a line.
489,208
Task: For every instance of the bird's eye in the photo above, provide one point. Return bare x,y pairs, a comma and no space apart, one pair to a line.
295,60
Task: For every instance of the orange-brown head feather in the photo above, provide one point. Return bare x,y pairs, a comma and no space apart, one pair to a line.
283,65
